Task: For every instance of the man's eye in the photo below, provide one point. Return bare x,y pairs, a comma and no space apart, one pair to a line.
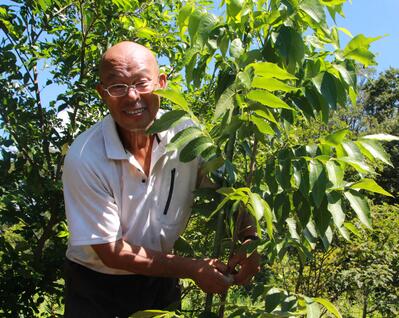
142,84
117,88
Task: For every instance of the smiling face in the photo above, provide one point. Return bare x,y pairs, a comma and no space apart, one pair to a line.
130,63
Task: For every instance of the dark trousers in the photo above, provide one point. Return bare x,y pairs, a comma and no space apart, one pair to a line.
90,294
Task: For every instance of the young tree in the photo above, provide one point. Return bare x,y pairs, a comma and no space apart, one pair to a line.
53,46
256,78
273,77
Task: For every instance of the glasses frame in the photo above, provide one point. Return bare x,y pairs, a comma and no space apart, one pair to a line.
133,86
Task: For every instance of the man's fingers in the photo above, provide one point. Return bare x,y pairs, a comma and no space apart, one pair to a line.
221,267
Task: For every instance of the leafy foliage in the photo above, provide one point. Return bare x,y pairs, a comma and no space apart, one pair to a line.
258,82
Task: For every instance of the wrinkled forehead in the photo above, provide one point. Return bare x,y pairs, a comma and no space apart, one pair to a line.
128,64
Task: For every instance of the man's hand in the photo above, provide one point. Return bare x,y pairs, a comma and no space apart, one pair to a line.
249,266
208,275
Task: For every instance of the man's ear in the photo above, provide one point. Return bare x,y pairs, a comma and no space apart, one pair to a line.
163,80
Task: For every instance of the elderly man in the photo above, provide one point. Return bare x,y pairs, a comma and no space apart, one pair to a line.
127,200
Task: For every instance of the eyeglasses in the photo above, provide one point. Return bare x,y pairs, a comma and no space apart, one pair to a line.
120,90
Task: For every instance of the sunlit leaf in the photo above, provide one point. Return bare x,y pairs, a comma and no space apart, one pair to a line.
381,137
329,306
360,205
269,70
262,125
268,99
194,148
336,137
166,121
373,150
272,84
318,181
335,208
370,185
225,102
182,137
335,173
175,97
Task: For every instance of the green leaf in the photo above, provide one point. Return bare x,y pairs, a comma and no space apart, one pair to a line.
149,313
194,148
268,99
262,125
352,150
283,173
263,112
317,180
269,218
337,137
302,207
257,206
314,9
184,13
335,173
175,97
359,166
370,185
194,22
166,121
346,75
373,150
290,45
329,306
270,176
273,298
359,41
234,7
207,23
325,84
225,102
270,70
358,49
291,222
212,164
381,137
335,208
236,48
313,308
352,228
272,84
360,205
182,137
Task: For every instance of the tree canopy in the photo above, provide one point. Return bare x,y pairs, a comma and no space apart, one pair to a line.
262,80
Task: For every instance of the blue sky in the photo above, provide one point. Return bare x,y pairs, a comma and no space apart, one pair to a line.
370,17
374,18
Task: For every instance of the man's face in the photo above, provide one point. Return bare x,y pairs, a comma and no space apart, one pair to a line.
129,65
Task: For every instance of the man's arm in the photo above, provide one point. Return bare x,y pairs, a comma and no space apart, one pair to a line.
207,273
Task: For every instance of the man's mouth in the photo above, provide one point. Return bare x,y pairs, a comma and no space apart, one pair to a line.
134,111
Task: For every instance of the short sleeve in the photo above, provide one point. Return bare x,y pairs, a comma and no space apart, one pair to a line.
91,211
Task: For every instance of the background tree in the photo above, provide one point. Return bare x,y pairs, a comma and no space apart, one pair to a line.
257,87
46,46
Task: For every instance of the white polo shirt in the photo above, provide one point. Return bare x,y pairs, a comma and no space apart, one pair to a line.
109,197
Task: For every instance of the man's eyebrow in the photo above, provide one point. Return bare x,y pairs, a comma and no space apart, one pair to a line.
112,75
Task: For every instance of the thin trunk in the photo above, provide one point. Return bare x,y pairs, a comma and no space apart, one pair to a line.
239,220
220,222
365,301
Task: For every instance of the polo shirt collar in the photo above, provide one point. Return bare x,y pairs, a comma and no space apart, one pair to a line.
113,144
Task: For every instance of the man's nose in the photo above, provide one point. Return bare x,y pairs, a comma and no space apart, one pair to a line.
132,92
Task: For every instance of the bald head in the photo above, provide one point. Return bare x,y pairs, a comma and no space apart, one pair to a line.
126,53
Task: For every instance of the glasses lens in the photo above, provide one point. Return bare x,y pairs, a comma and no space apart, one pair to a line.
144,87
117,90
